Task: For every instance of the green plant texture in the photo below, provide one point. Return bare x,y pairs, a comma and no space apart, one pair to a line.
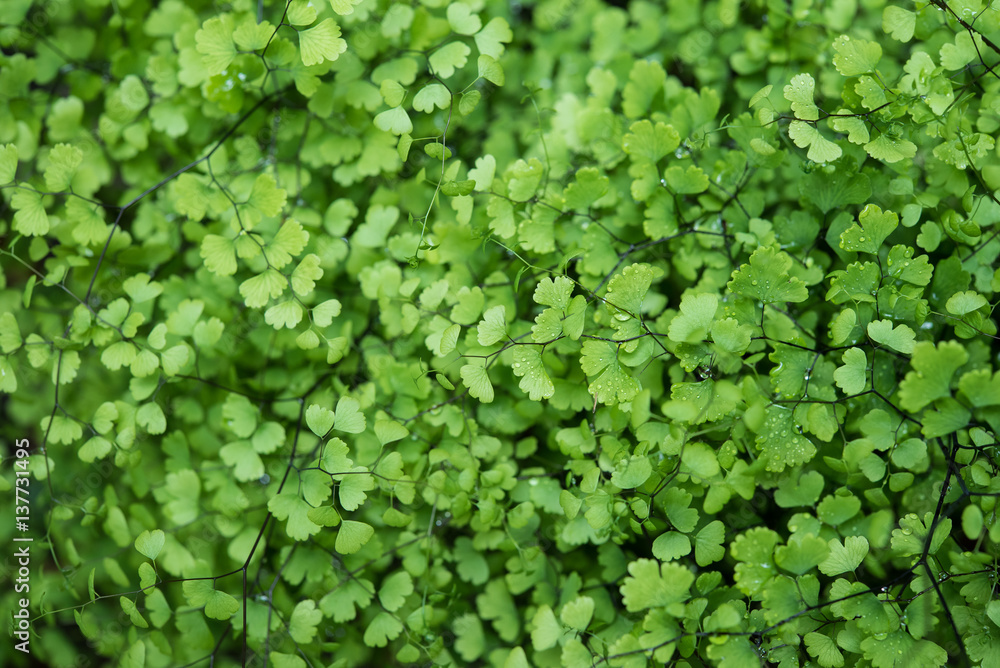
481,333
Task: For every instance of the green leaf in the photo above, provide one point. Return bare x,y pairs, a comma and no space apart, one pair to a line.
335,458
149,543
306,274
94,449
670,546
268,200
548,326
627,290
352,536
853,375
8,163
88,220
260,289
855,56
395,121
493,36
431,96
824,649
766,278
800,93
147,576
528,366
344,7
961,52
8,378
949,416
780,441
448,58
303,622
215,43
392,92
468,102
282,660
174,359
803,552
899,338
319,419
980,388
696,317
589,185
140,289
649,142
286,314
828,191
470,642
525,179
458,188
650,585
577,614
389,431
321,43
290,506
700,460
575,318
835,510
30,218
690,181
807,136
394,590
247,464
221,605
348,418
477,380
873,229
63,161
462,20
301,13
613,383
10,333
845,557
352,489
325,312
891,149
963,303
128,606
899,23
933,368
547,629
900,649
708,543
490,70
854,126
382,629
632,472
150,417
492,327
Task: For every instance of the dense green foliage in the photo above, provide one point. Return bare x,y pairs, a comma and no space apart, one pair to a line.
359,333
